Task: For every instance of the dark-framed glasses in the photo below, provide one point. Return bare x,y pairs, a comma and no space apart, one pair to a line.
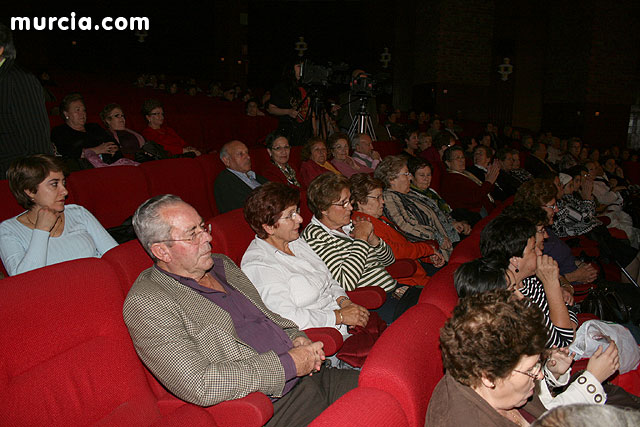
379,197
282,147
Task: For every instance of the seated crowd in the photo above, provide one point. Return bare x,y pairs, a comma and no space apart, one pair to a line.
212,331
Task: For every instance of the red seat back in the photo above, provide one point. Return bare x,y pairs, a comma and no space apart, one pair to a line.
441,291
111,194
363,407
128,260
67,357
405,362
231,234
182,177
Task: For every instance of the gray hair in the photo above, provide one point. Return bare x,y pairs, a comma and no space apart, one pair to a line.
588,415
356,140
149,225
389,168
6,41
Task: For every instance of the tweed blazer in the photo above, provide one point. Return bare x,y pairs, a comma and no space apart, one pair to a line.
191,345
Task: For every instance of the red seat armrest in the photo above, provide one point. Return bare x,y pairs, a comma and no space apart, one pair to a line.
370,297
254,409
403,267
330,337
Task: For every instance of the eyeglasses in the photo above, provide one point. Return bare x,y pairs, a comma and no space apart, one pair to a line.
404,173
292,215
282,147
379,197
195,237
552,207
537,368
344,204
118,116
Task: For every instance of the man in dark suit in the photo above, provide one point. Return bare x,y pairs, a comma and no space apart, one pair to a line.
233,185
24,125
198,323
536,162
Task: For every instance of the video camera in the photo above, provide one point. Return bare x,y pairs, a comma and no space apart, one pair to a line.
362,85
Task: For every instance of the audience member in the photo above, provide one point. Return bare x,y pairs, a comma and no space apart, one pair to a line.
129,141
416,216
224,343
24,125
279,169
583,415
481,160
339,147
354,254
535,162
48,232
157,131
571,157
410,149
73,138
314,161
291,279
463,191
233,185
515,245
368,203
491,352
363,152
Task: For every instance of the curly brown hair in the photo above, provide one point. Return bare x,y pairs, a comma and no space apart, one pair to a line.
488,334
265,205
325,190
536,192
361,185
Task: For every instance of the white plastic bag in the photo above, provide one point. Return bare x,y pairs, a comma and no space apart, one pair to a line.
594,333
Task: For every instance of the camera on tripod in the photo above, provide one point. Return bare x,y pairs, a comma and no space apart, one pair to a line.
362,85
314,75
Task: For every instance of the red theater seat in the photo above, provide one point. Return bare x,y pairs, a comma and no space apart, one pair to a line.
405,361
111,194
182,177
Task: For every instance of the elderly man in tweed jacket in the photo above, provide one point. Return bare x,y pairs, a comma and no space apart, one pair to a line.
200,326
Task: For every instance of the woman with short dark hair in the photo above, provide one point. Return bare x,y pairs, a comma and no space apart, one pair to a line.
354,254
48,232
291,279
314,161
279,170
491,352
367,201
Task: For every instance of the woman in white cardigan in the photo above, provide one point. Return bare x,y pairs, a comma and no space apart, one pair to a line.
292,280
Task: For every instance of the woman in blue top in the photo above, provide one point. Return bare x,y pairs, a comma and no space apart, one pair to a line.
47,233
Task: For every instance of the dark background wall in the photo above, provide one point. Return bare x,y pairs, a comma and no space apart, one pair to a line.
575,64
